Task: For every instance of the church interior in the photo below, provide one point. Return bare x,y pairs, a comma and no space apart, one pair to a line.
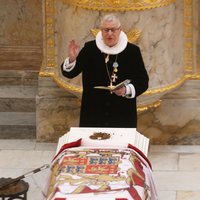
38,105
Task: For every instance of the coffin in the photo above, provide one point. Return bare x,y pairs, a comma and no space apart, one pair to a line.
101,163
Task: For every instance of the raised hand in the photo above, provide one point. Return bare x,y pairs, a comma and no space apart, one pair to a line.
73,50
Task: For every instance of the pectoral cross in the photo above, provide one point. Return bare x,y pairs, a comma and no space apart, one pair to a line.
114,78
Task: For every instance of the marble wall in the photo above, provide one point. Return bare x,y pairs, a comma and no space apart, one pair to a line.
21,34
20,22
177,119
56,110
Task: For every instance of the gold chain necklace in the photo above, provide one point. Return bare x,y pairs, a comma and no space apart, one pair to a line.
114,76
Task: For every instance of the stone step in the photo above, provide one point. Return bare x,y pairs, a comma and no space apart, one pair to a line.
17,132
17,98
17,118
18,91
18,77
25,92
17,105
17,125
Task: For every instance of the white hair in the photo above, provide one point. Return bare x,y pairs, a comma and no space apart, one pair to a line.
110,17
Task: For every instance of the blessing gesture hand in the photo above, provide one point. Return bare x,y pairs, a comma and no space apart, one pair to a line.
73,51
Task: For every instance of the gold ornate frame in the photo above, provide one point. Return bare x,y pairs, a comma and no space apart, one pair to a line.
49,59
118,5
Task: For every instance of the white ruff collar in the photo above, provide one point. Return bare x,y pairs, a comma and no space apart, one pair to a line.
118,48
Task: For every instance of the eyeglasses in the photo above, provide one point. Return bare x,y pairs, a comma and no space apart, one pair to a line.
113,30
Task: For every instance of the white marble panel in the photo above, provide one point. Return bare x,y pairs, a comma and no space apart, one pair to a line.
17,144
164,161
175,148
35,194
46,146
16,160
189,162
188,195
181,180
10,173
167,195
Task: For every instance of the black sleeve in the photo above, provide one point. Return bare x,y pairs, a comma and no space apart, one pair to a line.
141,79
81,62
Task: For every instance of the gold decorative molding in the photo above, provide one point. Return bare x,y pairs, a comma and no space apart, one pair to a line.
188,36
118,5
133,35
65,85
165,89
198,61
49,58
150,106
173,86
168,87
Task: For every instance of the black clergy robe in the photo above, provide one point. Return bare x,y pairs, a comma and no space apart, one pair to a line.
100,108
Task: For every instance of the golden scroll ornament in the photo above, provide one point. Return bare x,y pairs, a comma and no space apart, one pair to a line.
118,5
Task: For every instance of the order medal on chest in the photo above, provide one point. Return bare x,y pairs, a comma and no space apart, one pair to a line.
112,69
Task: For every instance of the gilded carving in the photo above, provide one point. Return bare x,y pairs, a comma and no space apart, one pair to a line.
49,39
133,35
150,106
63,84
188,39
118,5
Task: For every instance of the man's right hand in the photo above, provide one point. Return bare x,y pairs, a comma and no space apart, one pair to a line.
73,51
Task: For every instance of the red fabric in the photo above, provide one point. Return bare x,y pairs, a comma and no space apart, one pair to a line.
140,152
76,143
87,189
137,179
60,199
121,199
134,194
